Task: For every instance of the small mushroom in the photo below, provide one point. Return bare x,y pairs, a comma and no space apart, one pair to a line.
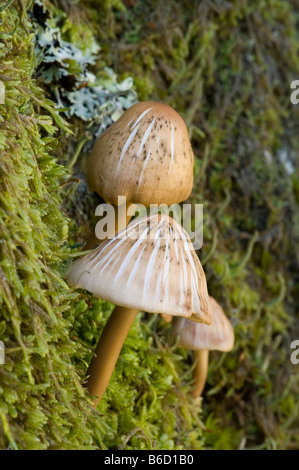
219,335
151,266
145,156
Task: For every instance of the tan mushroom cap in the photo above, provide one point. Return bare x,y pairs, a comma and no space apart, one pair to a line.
145,155
217,336
151,266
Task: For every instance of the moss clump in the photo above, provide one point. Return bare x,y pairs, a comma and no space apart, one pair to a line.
42,404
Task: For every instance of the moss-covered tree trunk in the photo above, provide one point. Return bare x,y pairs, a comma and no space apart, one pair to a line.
226,67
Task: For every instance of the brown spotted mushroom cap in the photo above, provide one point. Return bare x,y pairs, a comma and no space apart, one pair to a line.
145,155
217,336
151,266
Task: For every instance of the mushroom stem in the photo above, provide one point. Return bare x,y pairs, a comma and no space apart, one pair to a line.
101,367
121,221
200,371
108,350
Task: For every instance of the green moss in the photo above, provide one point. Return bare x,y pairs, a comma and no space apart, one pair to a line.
227,71
41,399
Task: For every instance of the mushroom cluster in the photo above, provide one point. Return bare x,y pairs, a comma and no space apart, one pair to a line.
149,264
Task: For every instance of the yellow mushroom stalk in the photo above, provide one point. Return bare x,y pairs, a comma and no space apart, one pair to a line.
200,371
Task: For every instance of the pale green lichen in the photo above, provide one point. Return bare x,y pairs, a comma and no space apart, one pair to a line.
67,68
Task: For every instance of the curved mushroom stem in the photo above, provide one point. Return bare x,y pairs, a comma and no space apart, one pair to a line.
200,371
108,350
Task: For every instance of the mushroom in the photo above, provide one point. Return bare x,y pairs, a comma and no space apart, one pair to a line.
151,266
204,338
145,157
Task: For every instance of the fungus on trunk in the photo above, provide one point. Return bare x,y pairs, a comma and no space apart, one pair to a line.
219,335
150,266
